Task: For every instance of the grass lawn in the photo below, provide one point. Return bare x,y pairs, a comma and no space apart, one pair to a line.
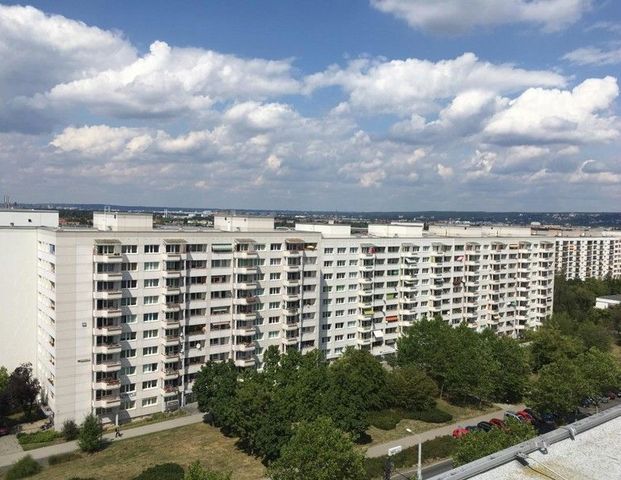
459,413
32,446
123,460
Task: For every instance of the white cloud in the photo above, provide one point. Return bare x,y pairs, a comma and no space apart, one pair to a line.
273,162
168,81
558,116
414,85
458,16
594,56
445,171
585,174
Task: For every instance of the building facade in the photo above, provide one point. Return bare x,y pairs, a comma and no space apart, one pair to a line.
582,255
124,315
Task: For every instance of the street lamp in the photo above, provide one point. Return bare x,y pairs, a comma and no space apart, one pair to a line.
419,470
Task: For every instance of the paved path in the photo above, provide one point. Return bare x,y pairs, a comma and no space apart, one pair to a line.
9,445
411,440
42,454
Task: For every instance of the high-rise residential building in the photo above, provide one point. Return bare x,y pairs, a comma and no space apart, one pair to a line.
120,317
588,254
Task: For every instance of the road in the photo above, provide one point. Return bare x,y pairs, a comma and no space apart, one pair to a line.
427,472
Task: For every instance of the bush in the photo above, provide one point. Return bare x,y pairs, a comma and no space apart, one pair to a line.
90,437
434,449
384,419
26,467
164,471
70,430
63,458
37,437
434,415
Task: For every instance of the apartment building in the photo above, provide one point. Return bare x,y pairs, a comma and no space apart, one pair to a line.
123,315
588,254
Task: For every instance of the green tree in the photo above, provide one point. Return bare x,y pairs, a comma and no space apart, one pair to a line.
214,389
23,388
559,388
410,388
197,472
479,444
318,451
345,406
548,345
600,371
90,437
70,430
4,378
510,380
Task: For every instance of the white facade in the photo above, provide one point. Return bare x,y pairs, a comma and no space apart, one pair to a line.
589,255
606,302
124,316
28,218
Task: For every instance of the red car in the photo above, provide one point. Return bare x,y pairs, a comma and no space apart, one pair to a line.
460,432
497,422
525,416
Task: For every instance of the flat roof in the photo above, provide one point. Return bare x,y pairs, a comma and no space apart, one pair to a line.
610,297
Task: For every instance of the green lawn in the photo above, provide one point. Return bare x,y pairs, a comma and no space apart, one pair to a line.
123,460
458,412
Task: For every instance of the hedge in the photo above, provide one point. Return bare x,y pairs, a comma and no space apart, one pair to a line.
435,449
164,471
38,437
389,418
26,467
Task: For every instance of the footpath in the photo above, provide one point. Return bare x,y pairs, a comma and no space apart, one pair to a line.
42,454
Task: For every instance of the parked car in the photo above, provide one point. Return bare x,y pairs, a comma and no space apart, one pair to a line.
4,431
525,416
603,399
497,422
472,428
460,432
611,395
485,426
549,417
514,416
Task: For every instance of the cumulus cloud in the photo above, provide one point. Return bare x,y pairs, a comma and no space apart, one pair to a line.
414,85
558,116
592,171
457,16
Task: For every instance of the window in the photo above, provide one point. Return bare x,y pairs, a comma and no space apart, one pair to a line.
340,288
128,319
220,263
128,301
149,368
149,384
340,275
151,283
151,299
338,338
274,290
328,251
341,250
328,263
128,336
128,353
351,311
274,261
129,387
150,333
197,247
149,351
128,371
129,266
327,276
128,404
338,325
150,317
353,262
151,248
351,336
275,276
353,249
340,300
128,284
273,319
148,402
393,249
273,305
129,248
151,266
339,313
273,334
275,246
340,263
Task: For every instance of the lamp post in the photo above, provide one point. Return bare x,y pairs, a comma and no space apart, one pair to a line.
419,470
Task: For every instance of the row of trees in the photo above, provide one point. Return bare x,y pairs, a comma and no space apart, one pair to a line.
261,408
466,365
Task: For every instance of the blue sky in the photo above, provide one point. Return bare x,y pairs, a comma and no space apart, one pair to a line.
379,105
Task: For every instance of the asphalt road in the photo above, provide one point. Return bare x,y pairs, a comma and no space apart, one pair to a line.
427,472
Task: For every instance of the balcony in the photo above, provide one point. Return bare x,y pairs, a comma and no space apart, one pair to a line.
295,282
170,356
108,258
245,362
171,289
108,295
291,268
290,340
107,384
290,326
291,297
108,401
107,330
170,340
250,253
244,347
171,307
107,348
169,373
247,270
107,312
107,277
169,390
107,366
245,300
172,256
291,253
244,331
245,285
365,341
247,316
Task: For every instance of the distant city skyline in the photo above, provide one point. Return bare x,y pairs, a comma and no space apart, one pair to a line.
386,105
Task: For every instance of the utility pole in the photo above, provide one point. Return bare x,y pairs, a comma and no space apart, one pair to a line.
419,468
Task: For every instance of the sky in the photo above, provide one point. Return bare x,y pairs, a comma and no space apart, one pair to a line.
367,105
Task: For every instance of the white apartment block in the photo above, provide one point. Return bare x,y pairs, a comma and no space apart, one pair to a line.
119,318
588,254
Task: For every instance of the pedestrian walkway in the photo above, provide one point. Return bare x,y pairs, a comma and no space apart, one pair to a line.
42,454
412,440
